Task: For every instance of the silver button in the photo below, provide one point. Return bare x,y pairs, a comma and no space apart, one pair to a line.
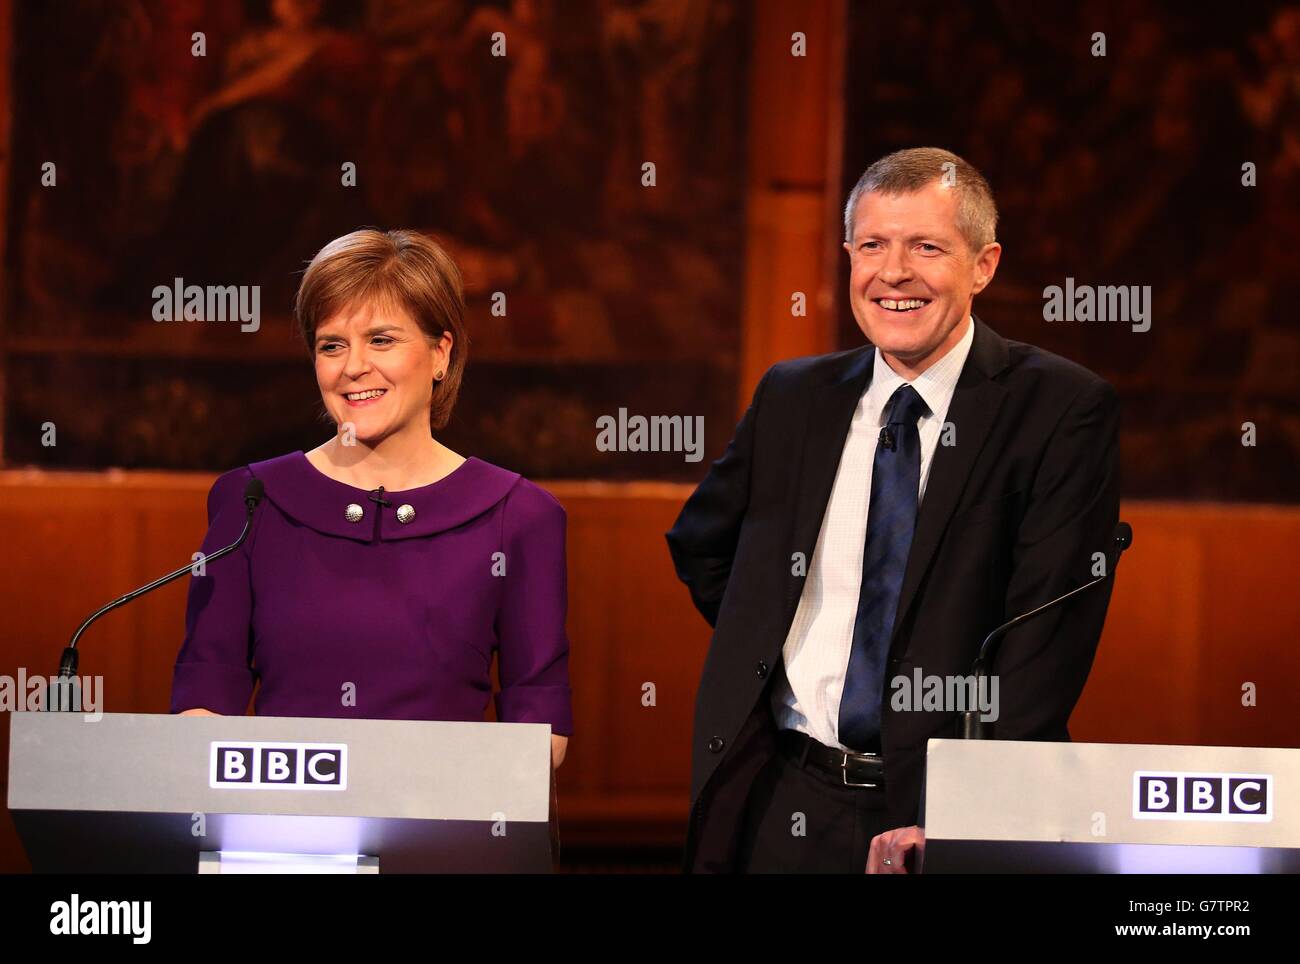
354,512
405,513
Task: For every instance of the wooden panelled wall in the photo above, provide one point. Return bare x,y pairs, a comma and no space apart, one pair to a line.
792,244
1205,603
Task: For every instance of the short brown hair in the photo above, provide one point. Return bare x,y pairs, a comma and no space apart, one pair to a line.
907,171
401,268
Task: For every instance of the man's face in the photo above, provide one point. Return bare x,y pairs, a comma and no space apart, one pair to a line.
912,276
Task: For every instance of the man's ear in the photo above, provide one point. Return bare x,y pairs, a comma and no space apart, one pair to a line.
986,266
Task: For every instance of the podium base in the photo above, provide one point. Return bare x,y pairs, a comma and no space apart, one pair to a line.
244,862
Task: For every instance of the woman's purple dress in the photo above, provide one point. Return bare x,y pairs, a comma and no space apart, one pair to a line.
379,618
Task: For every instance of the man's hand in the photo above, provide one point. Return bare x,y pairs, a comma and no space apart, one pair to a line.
899,847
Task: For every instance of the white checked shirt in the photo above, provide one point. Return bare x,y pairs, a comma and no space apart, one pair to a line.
817,647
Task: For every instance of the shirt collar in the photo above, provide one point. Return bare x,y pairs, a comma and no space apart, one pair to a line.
935,385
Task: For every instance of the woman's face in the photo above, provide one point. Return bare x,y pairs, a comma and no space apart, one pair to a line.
375,370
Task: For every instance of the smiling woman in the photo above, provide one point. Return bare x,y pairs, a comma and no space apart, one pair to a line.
400,295
384,571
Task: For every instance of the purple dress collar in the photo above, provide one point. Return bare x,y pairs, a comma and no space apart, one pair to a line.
308,496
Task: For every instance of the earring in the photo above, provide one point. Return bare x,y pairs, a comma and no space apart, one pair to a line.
437,376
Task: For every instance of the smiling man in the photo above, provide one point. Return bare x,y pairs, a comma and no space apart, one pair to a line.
878,512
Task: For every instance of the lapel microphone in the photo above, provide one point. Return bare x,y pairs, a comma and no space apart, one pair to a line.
887,438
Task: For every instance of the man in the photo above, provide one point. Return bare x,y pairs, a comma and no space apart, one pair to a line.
878,512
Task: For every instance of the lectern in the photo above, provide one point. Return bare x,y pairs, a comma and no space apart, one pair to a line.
134,792
1024,807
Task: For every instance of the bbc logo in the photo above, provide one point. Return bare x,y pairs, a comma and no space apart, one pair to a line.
283,766
1202,796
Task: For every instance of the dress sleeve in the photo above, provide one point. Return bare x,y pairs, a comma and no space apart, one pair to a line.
532,646
214,669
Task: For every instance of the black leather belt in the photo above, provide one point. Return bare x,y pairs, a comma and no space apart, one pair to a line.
852,769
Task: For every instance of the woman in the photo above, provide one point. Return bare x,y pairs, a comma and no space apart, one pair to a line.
382,570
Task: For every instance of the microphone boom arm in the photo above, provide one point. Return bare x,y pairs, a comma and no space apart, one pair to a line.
71,657
970,726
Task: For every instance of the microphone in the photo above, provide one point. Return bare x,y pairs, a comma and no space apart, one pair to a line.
253,493
971,727
887,438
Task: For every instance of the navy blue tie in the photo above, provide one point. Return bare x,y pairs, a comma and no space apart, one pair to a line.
891,519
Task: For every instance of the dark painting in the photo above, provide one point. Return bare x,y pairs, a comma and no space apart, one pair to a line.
1124,169
515,133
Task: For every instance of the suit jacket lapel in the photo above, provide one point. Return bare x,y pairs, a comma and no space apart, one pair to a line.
830,413
974,406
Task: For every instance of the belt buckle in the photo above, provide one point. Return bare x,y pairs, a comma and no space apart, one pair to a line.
844,773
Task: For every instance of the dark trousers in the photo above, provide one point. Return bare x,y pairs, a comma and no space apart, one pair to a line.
801,820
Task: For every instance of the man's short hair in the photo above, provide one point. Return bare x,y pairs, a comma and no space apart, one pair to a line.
907,171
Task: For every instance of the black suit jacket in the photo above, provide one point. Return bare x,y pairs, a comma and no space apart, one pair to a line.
1012,515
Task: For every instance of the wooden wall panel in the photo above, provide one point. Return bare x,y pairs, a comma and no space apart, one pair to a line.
792,198
632,627
1204,602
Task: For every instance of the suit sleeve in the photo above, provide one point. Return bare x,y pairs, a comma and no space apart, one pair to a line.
1071,514
214,669
532,645
703,539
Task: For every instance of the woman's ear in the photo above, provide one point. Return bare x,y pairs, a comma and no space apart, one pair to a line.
442,352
